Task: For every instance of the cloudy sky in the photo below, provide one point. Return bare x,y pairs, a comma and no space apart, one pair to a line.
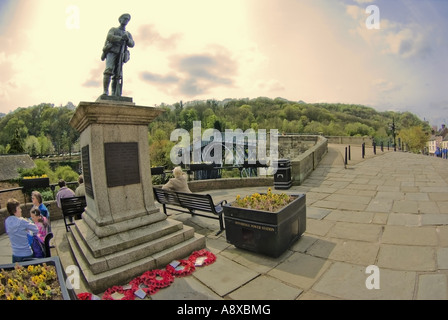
392,56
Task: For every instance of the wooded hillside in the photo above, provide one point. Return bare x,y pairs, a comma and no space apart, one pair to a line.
44,128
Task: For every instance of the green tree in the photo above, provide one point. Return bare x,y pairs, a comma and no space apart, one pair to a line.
209,119
187,117
159,152
358,129
66,173
10,126
16,145
32,146
314,127
414,137
46,146
292,112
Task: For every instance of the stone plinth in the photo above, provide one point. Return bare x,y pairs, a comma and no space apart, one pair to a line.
122,233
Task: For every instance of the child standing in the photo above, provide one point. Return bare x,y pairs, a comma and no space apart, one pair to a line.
41,222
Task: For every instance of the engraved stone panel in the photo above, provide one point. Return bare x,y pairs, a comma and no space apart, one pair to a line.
122,164
85,159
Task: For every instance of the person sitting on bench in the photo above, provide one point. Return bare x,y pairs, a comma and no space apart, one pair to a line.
178,183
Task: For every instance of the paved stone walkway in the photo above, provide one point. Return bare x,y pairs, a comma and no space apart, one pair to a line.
389,210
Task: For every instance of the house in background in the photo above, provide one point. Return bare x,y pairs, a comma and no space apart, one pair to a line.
445,147
438,142
432,145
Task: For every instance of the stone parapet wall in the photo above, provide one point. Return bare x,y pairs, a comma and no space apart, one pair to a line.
305,163
291,146
349,140
229,183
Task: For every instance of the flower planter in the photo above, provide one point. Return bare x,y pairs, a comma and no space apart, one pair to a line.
35,183
67,294
269,233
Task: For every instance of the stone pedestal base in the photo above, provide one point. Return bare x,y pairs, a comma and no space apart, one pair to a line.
122,233
128,255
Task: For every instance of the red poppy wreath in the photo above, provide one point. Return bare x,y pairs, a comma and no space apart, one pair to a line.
128,294
157,278
182,269
205,258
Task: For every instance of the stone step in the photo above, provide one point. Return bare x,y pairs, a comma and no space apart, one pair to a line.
100,247
119,258
99,282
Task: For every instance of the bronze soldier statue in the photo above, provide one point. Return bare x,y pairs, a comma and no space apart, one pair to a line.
116,52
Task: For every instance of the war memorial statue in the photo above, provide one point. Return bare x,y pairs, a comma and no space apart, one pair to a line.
116,53
122,233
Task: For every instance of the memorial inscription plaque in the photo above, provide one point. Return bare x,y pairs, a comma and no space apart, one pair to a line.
122,165
85,159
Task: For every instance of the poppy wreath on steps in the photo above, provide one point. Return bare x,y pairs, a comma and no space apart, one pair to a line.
187,268
128,294
136,285
157,278
210,257
84,296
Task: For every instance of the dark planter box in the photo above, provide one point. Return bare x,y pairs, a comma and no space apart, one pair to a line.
67,294
269,233
29,184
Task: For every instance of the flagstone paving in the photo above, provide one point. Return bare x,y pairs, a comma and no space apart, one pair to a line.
388,210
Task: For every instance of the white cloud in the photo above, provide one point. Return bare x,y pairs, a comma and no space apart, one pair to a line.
385,86
307,50
269,86
398,39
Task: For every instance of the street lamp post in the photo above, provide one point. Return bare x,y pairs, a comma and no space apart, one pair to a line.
393,133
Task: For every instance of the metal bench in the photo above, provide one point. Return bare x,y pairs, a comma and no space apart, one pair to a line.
72,207
191,203
47,239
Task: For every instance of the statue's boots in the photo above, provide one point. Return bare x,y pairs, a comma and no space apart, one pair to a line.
114,86
106,83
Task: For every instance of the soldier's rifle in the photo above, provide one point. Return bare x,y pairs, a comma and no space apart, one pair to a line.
119,84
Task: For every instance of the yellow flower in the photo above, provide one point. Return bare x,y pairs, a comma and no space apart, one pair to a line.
36,279
265,202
